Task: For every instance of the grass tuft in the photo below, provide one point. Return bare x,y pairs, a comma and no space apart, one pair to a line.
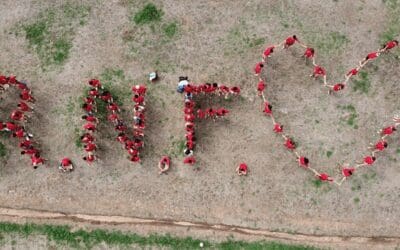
363,83
88,239
170,29
3,150
148,14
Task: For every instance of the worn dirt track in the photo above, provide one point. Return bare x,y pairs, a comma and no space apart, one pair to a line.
353,242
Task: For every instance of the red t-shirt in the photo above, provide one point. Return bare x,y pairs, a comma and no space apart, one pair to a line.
278,128
189,160
23,106
17,115
388,130
347,171
338,87
235,90
268,51
369,160
381,145
261,86
353,72
95,83
318,70
290,41
243,167
309,53
372,55
324,177
267,108
90,147
65,162
290,144
258,68
303,161
391,44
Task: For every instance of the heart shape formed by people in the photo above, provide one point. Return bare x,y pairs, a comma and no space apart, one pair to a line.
319,71
19,117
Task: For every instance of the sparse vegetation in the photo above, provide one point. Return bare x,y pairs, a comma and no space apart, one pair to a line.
327,43
3,150
87,239
363,83
329,153
149,13
51,34
351,115
393,28
170,29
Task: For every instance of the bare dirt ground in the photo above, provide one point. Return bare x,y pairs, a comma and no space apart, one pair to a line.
216,41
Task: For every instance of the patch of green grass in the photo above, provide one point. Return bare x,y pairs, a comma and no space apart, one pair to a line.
356,200
329,153
170,29
87,239
3,150
363,83
317,183
398,151
50,35
352,116
392,30
327,43
78,141
149,13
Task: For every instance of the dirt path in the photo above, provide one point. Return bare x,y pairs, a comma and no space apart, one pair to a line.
79,220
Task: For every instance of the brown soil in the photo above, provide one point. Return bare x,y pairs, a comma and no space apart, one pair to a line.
211,46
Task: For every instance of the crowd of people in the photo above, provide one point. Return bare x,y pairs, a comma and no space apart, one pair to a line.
132,146
190,115
309,54
15,126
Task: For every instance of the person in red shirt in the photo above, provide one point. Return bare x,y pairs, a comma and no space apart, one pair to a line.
90,126
133,151
26,143
21,133
347,172
89,100
30,151
89,158
113,107
267,108
318,71
223,90
390,45
387,131
189,118
89,108
94,93
336,88
90,147
267,52
352,72
289,144
290,41
189,160
201,114
380,146
369,160
309,53
87,138
11,126
258,68
260,87
278,128
138,99
242,169
95,83
139,89
24,107
122,138
303,161
66,165
164,164
221,112
90,118
134,158
37,160
324,177
106,97
113,117
371,56
17,115
234,91
26,96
